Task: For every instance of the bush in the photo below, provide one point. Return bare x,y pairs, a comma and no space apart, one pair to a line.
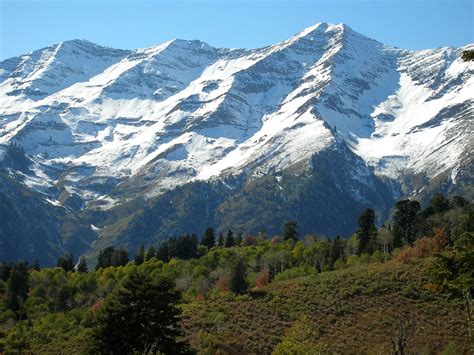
293,273
467,55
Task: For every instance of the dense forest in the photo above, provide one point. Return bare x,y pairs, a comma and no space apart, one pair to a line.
403,287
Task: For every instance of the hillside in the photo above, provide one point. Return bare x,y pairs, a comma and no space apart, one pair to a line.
345,312
410,282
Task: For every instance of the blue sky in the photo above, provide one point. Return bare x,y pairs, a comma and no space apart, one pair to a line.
26,25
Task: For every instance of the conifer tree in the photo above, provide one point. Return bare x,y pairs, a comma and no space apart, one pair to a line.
208,239
140,255
238,281
337,251
17,288
66,261
290,231
238,239
82,264
367,232
150,253
140,317
220,240
404,222
229,240
36,265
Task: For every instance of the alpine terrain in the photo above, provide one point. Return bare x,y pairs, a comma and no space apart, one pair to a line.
101,146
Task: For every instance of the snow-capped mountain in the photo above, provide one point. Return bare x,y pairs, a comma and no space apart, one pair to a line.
104,127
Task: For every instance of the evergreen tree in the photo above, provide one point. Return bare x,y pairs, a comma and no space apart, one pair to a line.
110,257
209,239
119,258
229,240
17,288
238,280
82,264
140,255
290,231
220,240
238,240
36,265
404,222
438,204
458,202
367,232
337,251
66,261
150,253
4,271
163,253
140,317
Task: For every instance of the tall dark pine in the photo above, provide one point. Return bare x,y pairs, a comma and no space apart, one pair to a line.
220,240
66,261
140,255
5,270
140,317
404,222
209,239
290,231
229,240
17,287
110,257
150,253
82,264
366,233
36,265
238,281
337,251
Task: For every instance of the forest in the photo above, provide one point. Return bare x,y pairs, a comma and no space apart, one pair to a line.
403,287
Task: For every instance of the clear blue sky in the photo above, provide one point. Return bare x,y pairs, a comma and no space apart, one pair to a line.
26,25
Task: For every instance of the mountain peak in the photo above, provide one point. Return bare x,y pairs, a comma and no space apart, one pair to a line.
322,27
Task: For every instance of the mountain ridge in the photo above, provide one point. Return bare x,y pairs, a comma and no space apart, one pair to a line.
106,127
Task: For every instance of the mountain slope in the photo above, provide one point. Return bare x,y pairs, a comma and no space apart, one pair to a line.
107,129
34,229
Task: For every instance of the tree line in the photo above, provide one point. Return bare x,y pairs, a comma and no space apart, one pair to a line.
115,301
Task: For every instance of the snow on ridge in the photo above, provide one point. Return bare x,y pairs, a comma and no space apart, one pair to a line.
183,110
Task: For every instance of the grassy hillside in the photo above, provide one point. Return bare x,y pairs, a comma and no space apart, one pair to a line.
345,311
259,295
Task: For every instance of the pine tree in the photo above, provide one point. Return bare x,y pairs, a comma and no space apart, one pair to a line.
229,240
82,264
404,222
238,240
5,270
208,239
337,251
140,317
110,257
140,255
238,280
290,231
17,288
150,253
66,261
367,232
220,240
36,265
439,203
